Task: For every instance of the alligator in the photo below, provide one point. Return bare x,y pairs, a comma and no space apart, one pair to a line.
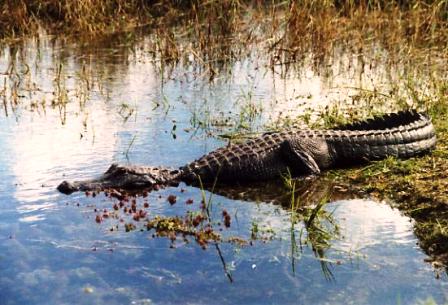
297,152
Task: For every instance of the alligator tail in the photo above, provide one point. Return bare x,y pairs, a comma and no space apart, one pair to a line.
404,134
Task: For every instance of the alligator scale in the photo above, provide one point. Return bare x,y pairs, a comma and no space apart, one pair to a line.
301,152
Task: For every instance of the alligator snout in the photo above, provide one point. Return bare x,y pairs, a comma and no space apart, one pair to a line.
67,187
124,177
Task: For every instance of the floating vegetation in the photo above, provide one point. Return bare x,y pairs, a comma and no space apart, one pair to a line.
126,111
200,222
171,227
195,224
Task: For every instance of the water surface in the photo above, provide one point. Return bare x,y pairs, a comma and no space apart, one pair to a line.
70,111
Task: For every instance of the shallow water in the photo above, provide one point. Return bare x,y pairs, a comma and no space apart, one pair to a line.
121,109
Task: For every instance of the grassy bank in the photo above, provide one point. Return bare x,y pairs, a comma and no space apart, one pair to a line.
217,33
417,186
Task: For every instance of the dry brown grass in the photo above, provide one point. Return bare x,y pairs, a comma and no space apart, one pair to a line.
23,17
399,28
305,20
217,33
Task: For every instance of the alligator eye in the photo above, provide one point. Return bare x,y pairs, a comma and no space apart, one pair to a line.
119,170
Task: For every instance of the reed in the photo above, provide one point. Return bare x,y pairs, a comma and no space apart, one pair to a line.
213,22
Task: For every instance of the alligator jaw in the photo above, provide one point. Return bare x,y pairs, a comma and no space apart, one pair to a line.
124,177
89,185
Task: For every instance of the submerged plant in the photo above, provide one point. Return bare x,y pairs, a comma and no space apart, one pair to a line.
318,228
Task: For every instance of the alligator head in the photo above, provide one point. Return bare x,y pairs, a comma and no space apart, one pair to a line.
124,177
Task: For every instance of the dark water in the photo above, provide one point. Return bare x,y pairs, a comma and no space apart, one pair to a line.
120,109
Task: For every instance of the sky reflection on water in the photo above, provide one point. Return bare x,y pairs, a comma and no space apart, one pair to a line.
53,252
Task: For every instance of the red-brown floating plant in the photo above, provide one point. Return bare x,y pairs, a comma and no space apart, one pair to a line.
172,199
227,221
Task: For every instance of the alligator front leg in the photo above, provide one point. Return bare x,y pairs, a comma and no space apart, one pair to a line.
306,155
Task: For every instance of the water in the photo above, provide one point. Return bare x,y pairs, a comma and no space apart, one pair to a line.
120,109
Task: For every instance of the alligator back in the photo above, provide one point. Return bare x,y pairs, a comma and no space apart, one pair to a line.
255,159
403,135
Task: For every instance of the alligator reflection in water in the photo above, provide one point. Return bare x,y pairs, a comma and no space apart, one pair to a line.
309,226
312,225
309,196
302,219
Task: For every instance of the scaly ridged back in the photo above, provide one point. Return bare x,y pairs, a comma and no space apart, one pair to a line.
404,134
256,159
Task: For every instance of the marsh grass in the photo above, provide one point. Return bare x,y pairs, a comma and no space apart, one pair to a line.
209,37
238,123
23,17
216,32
